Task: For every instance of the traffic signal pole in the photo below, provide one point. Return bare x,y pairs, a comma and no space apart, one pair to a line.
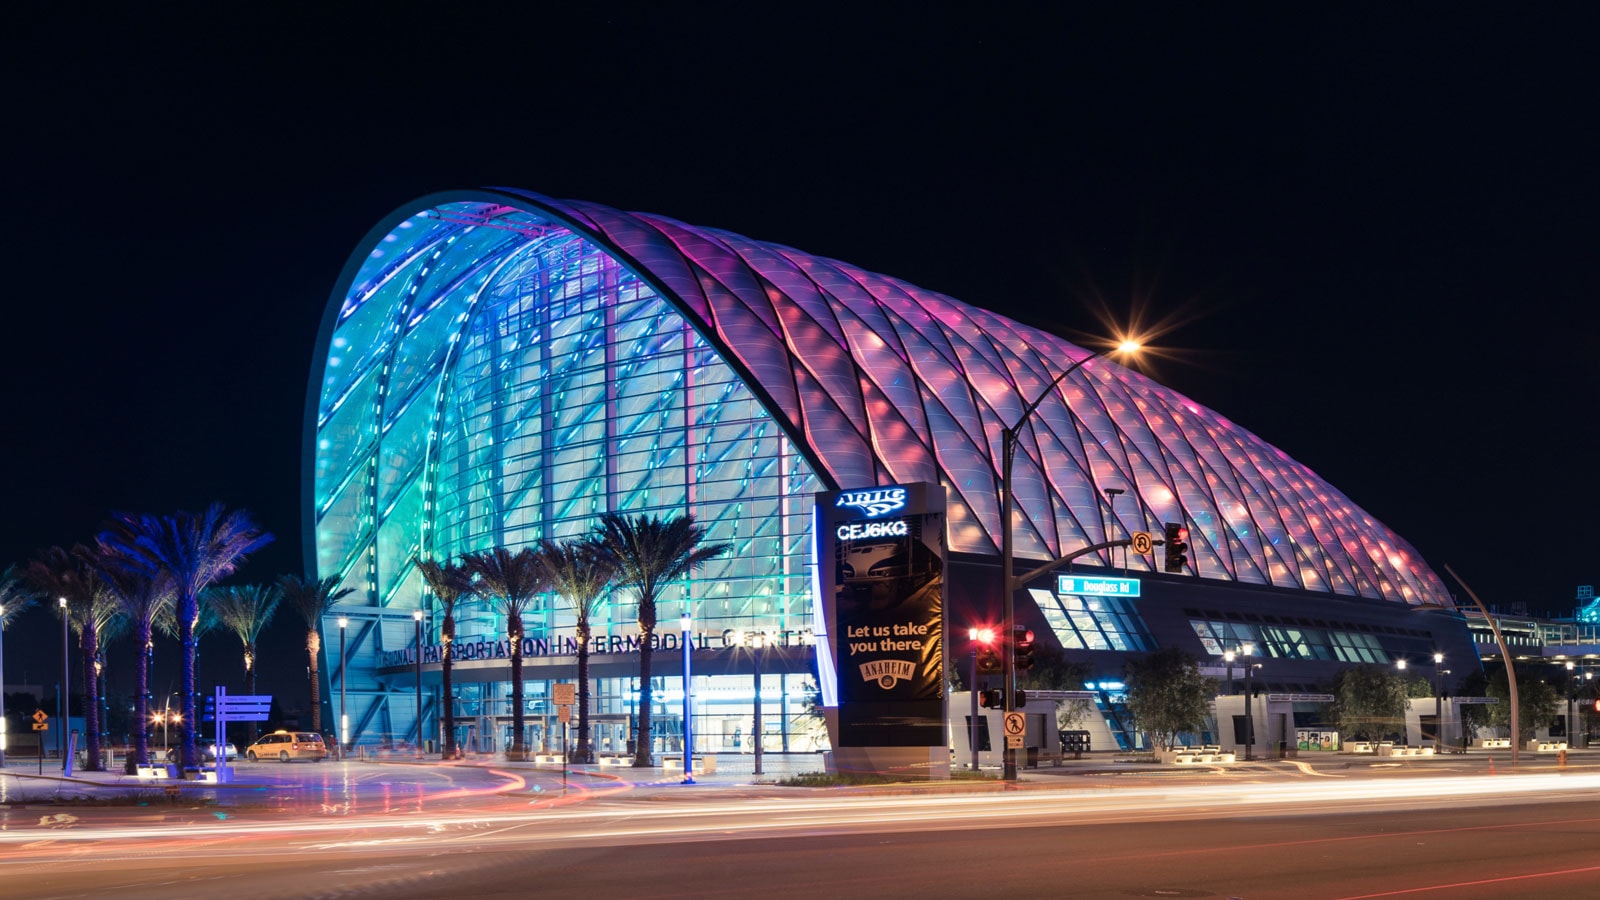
1008,583
972,689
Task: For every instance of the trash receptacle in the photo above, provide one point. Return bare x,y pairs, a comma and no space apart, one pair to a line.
1033,757
1283,750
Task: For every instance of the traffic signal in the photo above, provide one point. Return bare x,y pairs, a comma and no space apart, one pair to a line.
1022,641
993,698
1176,547
989,662
1022,699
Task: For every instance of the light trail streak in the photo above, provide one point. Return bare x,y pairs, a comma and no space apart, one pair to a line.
1556,873
675,818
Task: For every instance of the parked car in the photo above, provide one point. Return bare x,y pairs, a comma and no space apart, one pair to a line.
208,753
286,745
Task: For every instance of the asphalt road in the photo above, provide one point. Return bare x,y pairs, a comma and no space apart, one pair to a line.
1465,837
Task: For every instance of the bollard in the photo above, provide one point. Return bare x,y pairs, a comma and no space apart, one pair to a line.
1561,758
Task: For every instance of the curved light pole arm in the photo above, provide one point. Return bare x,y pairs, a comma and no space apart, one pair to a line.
1008,452
1510,664
1021,581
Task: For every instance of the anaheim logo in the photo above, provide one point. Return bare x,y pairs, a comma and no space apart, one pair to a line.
888,672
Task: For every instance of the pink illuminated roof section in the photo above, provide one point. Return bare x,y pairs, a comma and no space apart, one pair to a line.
887,382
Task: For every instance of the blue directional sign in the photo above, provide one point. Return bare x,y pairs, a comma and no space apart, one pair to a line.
1097,586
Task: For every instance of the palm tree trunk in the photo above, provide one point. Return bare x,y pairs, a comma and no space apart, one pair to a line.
89,643
250,686
514,631
188,611
642,752
447,639
585,750
316,690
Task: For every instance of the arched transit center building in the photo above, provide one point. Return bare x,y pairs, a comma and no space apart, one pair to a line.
496,367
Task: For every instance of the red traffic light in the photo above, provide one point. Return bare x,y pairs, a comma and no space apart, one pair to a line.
981,635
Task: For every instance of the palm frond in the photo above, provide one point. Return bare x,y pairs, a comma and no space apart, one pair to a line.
16,595
580,570
311,598
509,580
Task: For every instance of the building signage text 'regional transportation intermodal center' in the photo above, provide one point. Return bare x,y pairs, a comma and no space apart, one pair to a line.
500,648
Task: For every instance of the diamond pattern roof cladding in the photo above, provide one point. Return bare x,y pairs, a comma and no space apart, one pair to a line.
887,382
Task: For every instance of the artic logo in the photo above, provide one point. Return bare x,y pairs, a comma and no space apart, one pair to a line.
875,502
888,672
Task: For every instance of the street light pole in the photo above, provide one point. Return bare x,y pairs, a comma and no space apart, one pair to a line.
688,720
972,695
62,706
1439,707
761,641
1246,650
416,616
1401,665
1111,505
2,687
1507,659
344,720
1008,581
1571,697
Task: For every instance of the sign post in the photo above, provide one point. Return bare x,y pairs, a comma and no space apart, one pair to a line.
41,722
564,695
237,708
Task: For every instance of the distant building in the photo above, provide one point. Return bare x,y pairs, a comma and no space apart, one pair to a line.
497,367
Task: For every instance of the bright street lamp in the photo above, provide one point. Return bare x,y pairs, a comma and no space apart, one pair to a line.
1008,580
1227,657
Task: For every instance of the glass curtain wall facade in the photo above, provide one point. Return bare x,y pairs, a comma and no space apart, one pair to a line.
499,367
496,382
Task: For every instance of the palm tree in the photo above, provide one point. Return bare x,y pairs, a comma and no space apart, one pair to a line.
579,571
648,552
245,610
16,597
449,583
142,599
90,605
510,581
312,599
192,551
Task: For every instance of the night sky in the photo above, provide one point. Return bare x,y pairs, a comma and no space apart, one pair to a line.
1369,236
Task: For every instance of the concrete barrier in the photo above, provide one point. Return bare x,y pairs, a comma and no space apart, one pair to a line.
705,765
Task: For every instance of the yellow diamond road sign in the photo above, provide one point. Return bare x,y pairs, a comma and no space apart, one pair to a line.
39,716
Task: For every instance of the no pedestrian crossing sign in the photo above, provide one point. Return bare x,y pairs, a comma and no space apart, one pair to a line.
1016,729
